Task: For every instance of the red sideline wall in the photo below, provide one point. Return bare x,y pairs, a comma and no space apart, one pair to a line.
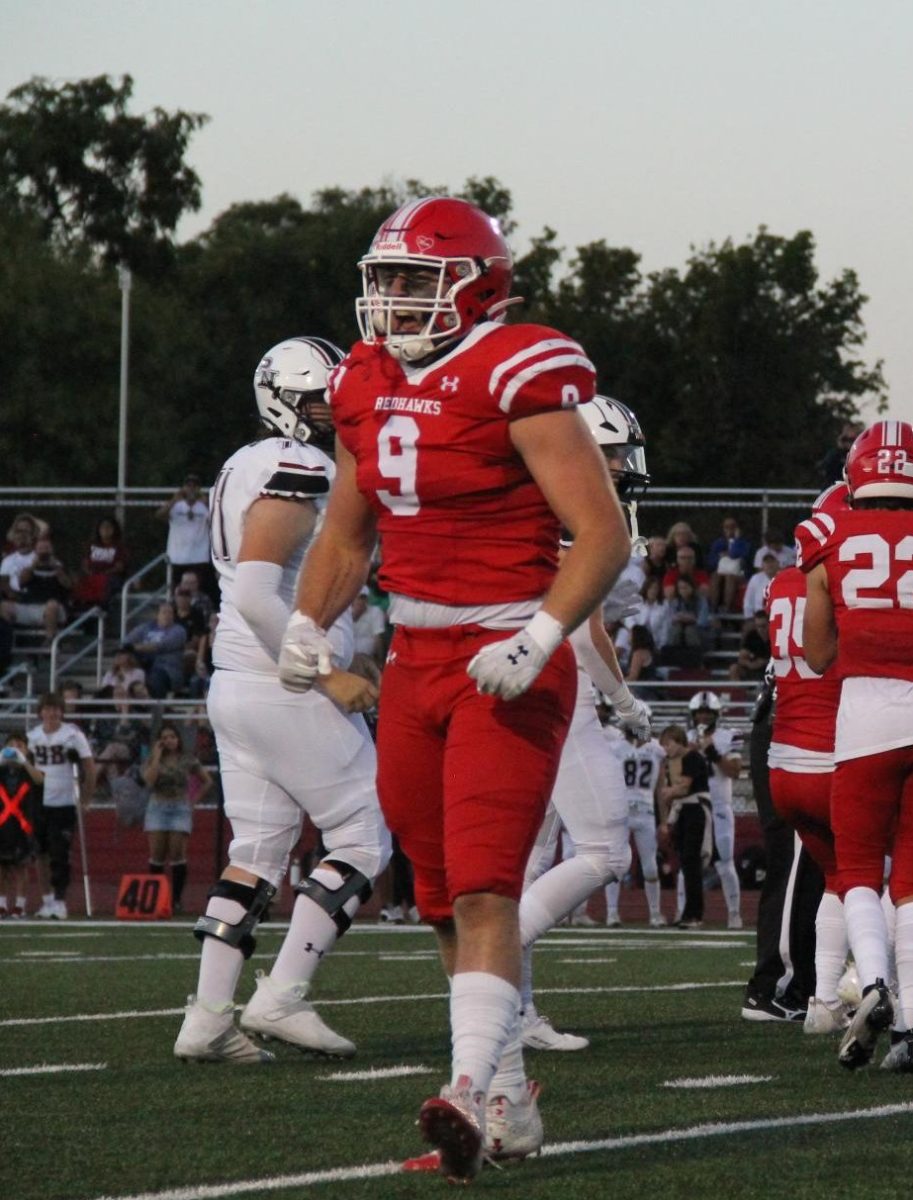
114,851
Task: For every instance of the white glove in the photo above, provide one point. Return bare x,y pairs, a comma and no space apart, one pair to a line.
634,715
624,600
507,668
304,654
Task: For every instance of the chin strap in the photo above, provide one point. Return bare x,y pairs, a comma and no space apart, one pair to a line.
638,543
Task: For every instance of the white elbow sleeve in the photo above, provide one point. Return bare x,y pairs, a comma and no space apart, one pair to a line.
613,688
255,593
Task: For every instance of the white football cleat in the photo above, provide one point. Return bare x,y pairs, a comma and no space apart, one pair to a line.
825,1018
454,1124
537,1033
734,921
900,1057
583,920
612,921
873,1016
47,909
513,1130
289,1017
59,911
658,922
208,1036
849,989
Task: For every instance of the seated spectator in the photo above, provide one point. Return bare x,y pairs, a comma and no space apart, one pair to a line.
689,628
682,536
190,582
193,623
728,560
103,566
653,611
686,568
642,663
24,520
123,673
754,650
159,646
774,544
758,585
655,565
39,590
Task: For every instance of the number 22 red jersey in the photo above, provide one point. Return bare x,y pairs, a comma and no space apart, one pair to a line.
868,557
461,520
806,711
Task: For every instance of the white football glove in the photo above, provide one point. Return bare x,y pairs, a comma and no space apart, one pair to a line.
305,654
507,668
634,715
623,600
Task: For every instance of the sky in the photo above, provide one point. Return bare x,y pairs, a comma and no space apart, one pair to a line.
656,124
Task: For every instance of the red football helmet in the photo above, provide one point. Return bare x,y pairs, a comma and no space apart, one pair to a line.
835,498
436,267
880,462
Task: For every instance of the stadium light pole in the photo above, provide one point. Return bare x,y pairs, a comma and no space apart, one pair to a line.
125,280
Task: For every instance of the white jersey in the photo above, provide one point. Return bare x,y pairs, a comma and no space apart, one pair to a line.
50,751
641,765
282,468
725,741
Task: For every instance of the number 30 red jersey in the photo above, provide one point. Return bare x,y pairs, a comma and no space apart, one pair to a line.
806,711
868,557
461,519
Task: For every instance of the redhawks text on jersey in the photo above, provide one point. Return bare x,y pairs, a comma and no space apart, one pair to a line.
462,520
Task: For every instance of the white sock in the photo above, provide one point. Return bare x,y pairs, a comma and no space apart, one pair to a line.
510,1078
868,936
651,888
526,982
887,907
903,951
483,1017
20,902
612,892
220,964
312,932
830,947
729,882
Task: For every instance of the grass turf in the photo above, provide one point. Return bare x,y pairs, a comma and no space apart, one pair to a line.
147,1123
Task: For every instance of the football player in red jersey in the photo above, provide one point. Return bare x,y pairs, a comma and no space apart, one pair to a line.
801,761
458,445
859,613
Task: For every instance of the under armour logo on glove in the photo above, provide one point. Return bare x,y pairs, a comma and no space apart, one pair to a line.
508,667
521,652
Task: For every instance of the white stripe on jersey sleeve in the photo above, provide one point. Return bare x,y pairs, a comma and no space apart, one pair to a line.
543,347
539,368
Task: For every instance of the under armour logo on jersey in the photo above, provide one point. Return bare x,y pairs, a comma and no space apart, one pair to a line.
514,659
450,383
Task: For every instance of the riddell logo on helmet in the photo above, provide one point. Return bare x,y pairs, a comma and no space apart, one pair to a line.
390,247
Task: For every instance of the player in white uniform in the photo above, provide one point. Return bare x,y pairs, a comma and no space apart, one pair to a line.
640,762
588,798
722,747
282,754
62,751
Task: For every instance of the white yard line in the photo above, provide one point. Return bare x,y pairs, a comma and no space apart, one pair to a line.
135,1014
555,1150
374,1073
52,1069
588,961
716,1081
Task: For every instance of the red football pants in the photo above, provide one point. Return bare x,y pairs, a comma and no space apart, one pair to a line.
464,779
871,816
804,802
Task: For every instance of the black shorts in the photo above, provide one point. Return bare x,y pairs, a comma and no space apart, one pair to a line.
51,823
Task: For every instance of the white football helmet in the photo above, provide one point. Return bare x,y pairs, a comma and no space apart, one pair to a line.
708,702
289,386
618,434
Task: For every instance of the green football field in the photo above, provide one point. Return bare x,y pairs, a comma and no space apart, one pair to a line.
677,1096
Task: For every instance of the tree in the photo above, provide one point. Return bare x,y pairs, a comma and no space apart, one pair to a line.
95,175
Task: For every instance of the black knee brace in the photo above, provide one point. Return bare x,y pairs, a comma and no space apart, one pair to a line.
254,898
331,900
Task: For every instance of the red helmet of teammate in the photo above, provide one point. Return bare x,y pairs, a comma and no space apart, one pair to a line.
833,499
880,462
435,268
